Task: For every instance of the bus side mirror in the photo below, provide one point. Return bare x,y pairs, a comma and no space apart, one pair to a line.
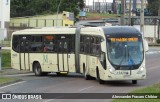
103,46
146,47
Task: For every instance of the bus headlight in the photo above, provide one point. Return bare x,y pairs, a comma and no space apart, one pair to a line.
140,70
112,70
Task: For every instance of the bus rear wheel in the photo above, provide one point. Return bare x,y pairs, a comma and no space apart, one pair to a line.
98,77
134,81
38,71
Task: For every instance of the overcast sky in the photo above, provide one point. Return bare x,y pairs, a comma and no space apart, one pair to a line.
90,2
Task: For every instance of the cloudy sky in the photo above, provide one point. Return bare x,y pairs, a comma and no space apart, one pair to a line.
90,2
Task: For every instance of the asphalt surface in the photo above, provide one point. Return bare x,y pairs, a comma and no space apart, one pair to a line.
75,83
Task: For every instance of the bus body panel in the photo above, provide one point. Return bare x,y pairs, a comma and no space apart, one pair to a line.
71,63
50,62
92,65
15,60
82,62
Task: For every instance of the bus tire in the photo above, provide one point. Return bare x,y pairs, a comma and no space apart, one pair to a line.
98,77
37,69
134,81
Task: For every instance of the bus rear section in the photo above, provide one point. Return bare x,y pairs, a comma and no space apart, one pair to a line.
44,50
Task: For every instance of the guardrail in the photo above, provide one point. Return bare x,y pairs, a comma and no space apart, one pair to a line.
5,43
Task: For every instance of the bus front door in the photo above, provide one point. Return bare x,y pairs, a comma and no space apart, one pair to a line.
63,55
24,55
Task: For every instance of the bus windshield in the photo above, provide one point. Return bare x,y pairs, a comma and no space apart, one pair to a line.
125,52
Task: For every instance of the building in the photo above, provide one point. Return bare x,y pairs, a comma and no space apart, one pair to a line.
4,17
135,4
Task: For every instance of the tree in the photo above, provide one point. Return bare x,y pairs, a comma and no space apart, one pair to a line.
153,6
36,7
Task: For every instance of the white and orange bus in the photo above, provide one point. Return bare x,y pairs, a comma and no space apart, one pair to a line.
106,53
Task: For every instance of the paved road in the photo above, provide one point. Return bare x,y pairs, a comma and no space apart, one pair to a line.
75,83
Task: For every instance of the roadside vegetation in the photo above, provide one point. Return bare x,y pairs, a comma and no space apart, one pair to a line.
7,80
150,89
6,59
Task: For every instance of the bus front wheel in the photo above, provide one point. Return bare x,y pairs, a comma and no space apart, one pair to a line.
37,69
134,81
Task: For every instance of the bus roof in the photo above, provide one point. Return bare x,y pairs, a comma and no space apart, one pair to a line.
114,30
47,30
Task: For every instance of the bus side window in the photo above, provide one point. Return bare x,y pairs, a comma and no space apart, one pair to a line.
36,44
95,46
25,43
49,43
82,47
87,45
15,43
71,44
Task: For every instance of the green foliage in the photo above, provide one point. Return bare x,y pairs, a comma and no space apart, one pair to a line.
21,8
158,41
6,58
150,89
4,80
153,5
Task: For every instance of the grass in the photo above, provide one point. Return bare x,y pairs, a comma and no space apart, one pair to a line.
6,59
4,80
100,15
5,43
8,80
150,89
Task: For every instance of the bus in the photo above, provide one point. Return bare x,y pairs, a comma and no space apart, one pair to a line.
105,53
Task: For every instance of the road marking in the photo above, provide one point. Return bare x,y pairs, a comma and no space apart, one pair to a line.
85,88
152,52
12,84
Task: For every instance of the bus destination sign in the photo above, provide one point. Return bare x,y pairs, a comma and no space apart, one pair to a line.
124,39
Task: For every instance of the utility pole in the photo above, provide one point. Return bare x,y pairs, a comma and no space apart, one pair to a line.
142,17
57,13
93,5
122,12
129,18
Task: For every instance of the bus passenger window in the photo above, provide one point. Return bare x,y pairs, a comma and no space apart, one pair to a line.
15,43
36,44
25,43
49,43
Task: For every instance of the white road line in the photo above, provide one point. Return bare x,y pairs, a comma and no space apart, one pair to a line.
85,88
12,84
